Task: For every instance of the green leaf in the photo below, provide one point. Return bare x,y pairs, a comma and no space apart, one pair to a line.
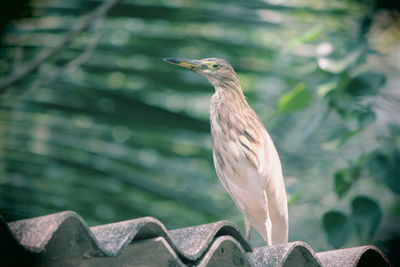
344,179
379,165
296,99
366,215
386,169
366,117
393,176
311,35
366,84
295,198
343,182
337,227
346,135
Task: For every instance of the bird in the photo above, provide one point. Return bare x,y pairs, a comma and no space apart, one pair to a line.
245,158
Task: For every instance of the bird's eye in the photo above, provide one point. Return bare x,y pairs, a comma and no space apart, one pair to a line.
215,66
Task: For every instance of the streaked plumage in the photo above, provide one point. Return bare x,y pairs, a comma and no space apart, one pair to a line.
245,157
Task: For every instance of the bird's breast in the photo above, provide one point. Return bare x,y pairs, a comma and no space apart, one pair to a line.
234,144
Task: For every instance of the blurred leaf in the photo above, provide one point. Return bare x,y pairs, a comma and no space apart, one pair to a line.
296,99
386,168
366,117
344,179
343,182
295,198
393,179
394,129
340,138
366,84
337,99
366,215
379,165
325,88
309,36
337,227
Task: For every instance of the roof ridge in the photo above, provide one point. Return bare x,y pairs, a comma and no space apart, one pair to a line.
65,238
285,255
356,256
38,234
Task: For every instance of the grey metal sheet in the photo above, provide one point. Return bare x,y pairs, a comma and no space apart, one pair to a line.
291,254
63,239
351,257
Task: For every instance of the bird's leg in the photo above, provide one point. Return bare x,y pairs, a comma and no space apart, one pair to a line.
247,225
268,223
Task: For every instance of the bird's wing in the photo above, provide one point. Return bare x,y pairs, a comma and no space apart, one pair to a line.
270,168
265,182
220,175
244,182
272,182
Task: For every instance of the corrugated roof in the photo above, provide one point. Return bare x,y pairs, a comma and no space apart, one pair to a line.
64,239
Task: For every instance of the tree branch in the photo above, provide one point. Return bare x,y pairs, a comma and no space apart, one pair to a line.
22,72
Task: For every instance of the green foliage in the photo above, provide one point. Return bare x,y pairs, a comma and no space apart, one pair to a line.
347,99
365,218
366,117
365,84
311,35
337,227
344,180
296,99
366,215
385,167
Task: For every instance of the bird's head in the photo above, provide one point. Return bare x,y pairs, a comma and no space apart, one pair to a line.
216,70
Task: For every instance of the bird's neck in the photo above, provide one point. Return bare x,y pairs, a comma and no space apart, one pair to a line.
228,98
227,84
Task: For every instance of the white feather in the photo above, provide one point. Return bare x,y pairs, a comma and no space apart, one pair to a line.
259,193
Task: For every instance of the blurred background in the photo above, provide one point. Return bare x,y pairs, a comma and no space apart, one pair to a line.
92,120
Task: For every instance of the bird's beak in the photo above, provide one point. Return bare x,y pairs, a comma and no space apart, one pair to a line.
192,64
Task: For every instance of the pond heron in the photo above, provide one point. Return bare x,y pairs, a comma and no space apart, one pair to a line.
245,157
